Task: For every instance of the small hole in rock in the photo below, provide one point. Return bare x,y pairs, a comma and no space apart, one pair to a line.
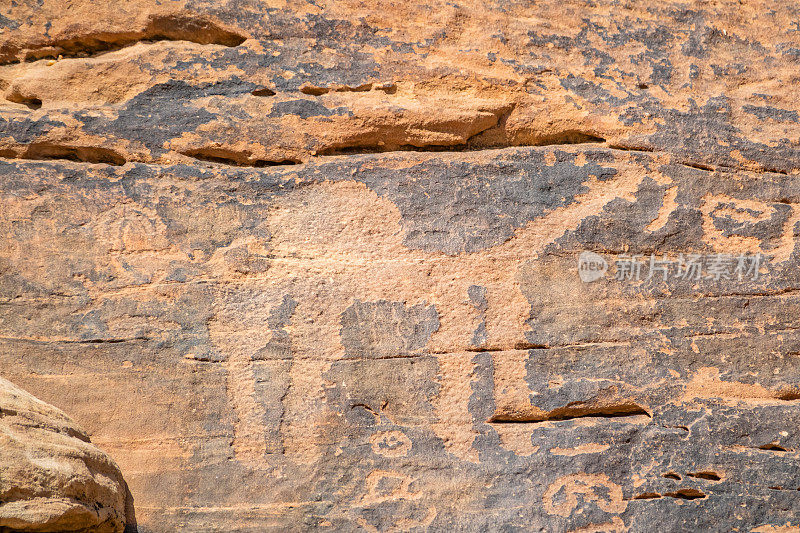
31,103
686,494
773,447
789,395
713,476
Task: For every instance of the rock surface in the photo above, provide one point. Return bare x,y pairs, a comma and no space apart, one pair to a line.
51,477
306,265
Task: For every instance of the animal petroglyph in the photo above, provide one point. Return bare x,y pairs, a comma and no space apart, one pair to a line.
355,252
570,492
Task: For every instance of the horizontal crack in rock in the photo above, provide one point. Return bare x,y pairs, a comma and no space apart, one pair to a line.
772,447
82,154
705,474
575,410
682,494
313,90
263,92
686,494
172,27
360,149
647,496
30,101
229,157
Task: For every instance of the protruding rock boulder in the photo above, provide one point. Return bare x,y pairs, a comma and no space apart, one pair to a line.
51,476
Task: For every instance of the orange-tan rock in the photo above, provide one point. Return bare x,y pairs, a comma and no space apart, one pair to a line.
52,479
412,266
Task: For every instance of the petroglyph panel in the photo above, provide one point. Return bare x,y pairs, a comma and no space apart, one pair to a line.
316,266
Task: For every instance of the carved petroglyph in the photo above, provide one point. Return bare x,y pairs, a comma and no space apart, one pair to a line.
454,421
668,205
319,240
254,340
391,443
738,226
569,493
385,486
356,253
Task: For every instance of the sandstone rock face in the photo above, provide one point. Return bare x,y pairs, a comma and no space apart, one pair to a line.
51,477
344,266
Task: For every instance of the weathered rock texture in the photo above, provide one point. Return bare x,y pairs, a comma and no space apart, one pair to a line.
313,264
51,477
